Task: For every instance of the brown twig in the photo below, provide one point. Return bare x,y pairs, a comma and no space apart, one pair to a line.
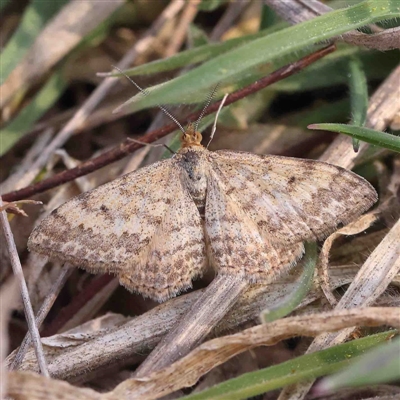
127,146
90,290
19,275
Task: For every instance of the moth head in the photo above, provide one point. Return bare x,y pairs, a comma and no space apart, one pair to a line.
191,137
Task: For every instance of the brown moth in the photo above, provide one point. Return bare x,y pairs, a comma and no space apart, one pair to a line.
240,213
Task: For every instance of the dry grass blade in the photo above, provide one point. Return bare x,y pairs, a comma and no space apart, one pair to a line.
29,386
58,38
141,333
188,370
370,282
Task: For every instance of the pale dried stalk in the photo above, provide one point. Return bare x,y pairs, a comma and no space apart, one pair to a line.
91,103
144,332
188,370
29,386
19,275
206,312
42,313
119,345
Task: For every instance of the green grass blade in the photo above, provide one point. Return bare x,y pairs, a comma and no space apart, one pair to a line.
35,17
192,56
309,366
358,96
226,68
380,365
303,287
377,138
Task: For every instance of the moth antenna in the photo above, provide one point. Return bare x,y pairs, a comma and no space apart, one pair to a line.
214,128
207,103
152,144
146,93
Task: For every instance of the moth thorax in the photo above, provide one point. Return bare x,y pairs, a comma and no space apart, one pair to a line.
191,137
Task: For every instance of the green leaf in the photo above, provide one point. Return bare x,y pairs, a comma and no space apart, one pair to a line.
303,287
377,138
380,365
43,100
309,366
35,17
229,67
196,37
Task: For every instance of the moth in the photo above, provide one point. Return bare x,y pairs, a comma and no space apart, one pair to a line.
240,213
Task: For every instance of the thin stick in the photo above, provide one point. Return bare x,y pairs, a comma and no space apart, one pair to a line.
42,313
127,147
206,312
17,269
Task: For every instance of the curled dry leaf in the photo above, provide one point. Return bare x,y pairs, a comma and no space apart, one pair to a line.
13,208
358,226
